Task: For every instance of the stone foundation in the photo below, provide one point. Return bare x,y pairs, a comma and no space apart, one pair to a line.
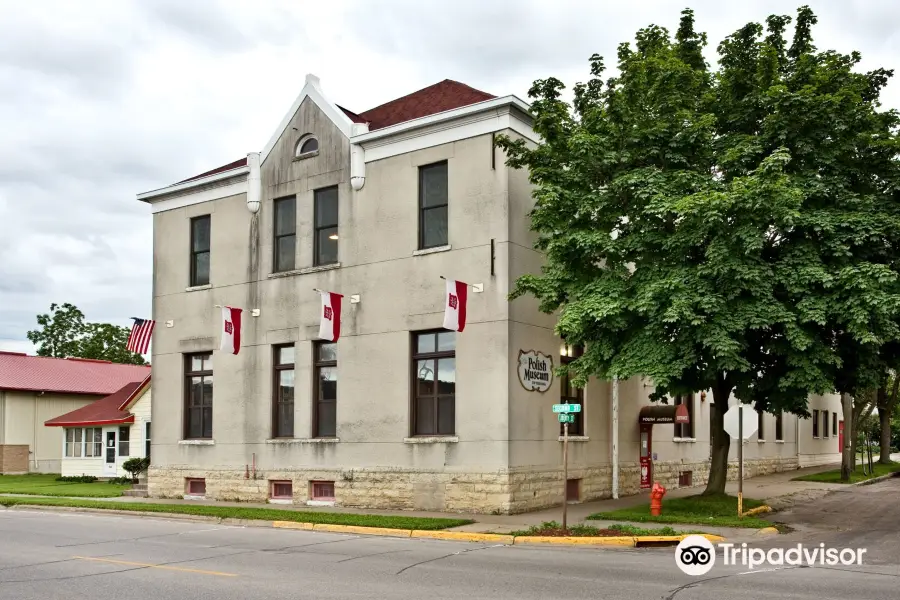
505,491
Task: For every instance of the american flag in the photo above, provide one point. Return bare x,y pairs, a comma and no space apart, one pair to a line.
141,332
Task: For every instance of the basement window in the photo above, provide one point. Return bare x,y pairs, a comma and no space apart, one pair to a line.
194,488
573,490
685,478
321,493
281,490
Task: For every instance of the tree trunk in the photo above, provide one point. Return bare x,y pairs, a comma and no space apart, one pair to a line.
847,457
885,413
720,440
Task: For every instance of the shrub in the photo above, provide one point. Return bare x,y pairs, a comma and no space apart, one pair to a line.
77,479
120,480
135,466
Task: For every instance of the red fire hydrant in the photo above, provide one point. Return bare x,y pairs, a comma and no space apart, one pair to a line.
656,496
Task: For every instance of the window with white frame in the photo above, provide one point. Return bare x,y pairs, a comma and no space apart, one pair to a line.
86,442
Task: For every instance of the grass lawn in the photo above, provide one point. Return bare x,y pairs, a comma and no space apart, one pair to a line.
46,485
855,476
718,511
256,514
552,528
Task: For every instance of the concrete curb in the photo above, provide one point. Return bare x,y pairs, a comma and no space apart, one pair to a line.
877,479
458,536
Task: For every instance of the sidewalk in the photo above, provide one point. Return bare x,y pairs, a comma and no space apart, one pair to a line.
776,489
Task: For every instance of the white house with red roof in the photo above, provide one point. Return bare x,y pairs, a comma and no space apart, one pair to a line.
400,412
35,389
98,438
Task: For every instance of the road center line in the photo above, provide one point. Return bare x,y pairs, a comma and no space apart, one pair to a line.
151,566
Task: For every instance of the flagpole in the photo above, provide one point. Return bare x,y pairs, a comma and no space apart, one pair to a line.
474,286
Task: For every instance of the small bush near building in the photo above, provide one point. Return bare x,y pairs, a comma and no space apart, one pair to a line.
77,479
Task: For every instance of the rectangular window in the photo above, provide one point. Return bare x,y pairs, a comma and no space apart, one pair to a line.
569,394
74,445
834,424
200,243
760,430
281,490
93,442
326,226
283,387
124,438
195,487
285,233
433,206
434,381
815,423
685,430
198,396
322,490
325,407
825,428
779,426
147,439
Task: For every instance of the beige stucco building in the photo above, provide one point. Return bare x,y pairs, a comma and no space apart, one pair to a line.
377,206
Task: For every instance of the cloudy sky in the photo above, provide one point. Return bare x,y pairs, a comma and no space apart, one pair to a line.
103,99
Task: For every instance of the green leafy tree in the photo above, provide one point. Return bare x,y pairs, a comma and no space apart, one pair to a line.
733,231
63,333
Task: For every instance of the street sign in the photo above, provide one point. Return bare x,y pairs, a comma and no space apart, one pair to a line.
732,421
565,418
566,408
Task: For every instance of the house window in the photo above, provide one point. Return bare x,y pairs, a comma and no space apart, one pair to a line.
285,233
200,250
325,407
825,428
124,437
569,394
147,439
281,490
93,442
779,426
760,431
685,430
283,401
307,145
834,424
433,203
326,226
198,396
434,394
815,423
74,442
322,490
195,487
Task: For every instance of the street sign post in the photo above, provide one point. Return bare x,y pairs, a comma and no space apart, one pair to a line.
565,416
741,422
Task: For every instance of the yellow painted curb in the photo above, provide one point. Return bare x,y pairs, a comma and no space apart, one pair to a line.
292,525
463,536
575,541
362,530
711,537
759,509
768,530
658,538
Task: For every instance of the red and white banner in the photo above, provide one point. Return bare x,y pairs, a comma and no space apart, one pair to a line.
231,330
330,316
455,305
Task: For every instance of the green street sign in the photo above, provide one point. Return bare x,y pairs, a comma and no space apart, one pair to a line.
565,418
566,408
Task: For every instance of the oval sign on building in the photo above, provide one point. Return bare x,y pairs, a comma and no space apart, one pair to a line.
535,371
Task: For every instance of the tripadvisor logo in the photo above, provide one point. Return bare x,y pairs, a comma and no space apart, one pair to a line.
695,555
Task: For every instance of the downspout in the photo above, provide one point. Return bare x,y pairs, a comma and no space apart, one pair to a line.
357,157
249,362
2,417
253,183
615,438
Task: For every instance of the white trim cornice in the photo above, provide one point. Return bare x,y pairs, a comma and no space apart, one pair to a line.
222,191
179,187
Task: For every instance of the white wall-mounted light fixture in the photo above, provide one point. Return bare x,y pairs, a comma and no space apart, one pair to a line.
170,323
254,312
354,299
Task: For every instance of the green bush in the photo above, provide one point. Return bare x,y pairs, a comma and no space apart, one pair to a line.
136,466
77,479
120,480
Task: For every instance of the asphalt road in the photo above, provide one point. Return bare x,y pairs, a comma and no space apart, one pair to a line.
53,555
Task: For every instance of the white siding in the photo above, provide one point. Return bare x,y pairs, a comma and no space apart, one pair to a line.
73,467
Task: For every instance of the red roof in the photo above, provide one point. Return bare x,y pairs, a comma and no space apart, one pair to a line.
442,96
106,411
446,95
66,375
